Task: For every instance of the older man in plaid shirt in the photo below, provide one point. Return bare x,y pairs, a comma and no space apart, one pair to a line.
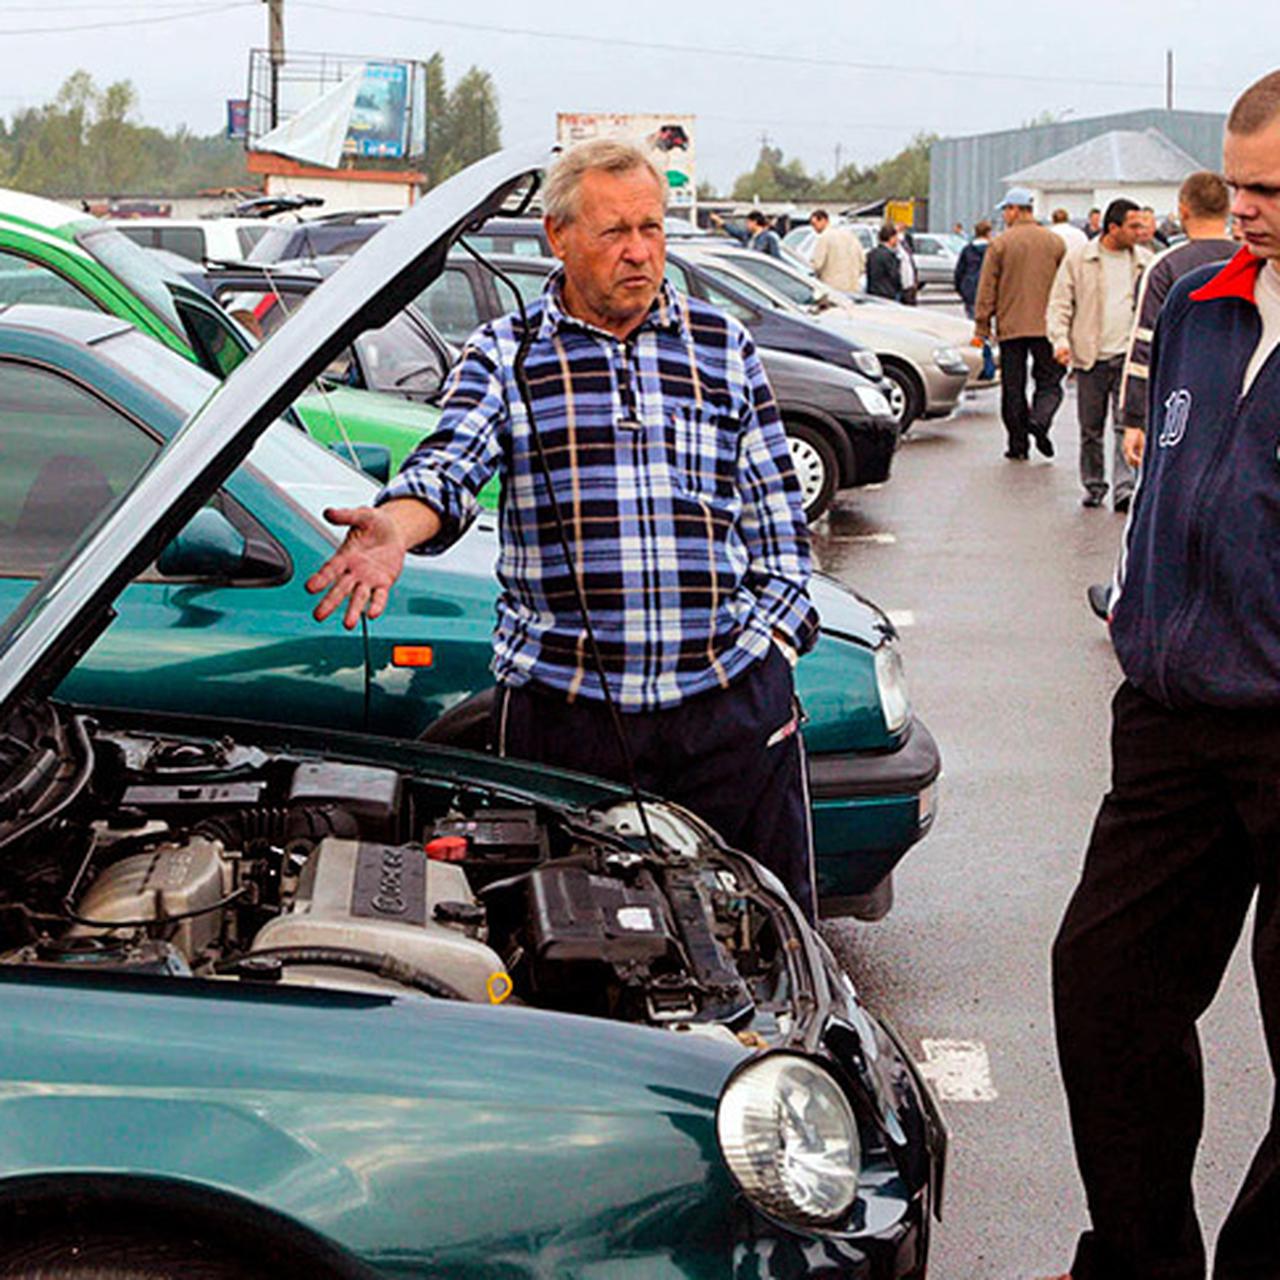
684,523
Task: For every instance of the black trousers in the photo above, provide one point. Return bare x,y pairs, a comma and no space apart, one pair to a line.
1021,421
1189,831
734,756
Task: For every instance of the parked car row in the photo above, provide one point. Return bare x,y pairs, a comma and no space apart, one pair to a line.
280,993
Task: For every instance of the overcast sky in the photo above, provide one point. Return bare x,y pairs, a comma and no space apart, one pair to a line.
857,76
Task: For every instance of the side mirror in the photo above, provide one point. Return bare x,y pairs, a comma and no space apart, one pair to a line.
373,459
209,546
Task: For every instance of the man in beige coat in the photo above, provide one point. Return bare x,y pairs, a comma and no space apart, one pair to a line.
1090,318
1013,289
837,254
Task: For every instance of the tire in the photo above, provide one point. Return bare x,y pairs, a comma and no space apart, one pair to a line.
119,1258
816,466
905,397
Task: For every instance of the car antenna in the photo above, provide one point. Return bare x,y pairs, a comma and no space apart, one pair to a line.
562,534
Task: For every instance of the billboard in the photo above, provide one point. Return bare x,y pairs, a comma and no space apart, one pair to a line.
669,140
362,107
379,121
238,118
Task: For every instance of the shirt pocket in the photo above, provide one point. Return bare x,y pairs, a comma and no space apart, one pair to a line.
703,449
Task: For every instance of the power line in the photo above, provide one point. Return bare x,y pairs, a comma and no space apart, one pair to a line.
654,46
129,22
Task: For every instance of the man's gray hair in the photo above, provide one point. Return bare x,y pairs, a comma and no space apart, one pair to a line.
560,194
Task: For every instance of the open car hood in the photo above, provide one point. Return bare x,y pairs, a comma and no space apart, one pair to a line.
62,617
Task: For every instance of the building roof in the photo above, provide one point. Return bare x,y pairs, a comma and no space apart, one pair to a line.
1113,158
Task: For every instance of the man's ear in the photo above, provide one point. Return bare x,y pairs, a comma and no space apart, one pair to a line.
555,234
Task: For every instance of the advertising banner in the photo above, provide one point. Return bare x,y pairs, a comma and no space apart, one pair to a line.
237,118
379,120
668,139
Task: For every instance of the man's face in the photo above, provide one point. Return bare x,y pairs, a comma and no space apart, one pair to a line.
1251,164
818,223
1126,234
1147,227
1095,219
614,252
1010,213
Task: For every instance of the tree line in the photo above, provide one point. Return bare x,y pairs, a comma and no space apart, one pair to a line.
901,176
87,140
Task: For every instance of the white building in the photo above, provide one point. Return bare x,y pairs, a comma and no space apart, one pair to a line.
1143,166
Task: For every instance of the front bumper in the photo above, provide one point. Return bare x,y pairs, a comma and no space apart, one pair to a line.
868,810
874,441
942,391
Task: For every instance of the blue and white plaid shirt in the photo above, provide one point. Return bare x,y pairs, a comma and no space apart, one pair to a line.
671,468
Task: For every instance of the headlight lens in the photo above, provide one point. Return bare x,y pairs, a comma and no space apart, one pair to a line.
866,362
949,360
891,682
790,1139
874,402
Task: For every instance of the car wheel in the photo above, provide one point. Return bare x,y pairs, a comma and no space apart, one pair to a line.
904,396
816,467
118,1258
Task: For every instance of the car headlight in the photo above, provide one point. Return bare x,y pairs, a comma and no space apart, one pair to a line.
949,360
874,402
891,683
790,1139
866,363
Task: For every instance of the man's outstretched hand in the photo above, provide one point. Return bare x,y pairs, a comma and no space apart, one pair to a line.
365,567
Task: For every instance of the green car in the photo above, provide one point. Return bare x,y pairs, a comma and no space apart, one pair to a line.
208,632
282,1003
51,254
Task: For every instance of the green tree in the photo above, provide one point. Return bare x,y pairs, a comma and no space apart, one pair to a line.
475,126
437,104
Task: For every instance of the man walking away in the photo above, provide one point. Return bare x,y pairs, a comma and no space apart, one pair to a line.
1203,202
837,254
758,235
1013,291
1090,316
884,267
965,279
1188,836
1061,225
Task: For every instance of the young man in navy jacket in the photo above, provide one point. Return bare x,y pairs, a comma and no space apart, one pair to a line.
1190,830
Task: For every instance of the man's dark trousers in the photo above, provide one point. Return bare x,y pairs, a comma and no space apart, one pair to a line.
734,756
1187,833
1096,388
1021,421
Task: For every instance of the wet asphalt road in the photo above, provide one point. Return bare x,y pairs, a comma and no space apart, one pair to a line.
1013,675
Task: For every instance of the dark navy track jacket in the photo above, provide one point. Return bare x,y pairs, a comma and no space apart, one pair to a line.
1197,619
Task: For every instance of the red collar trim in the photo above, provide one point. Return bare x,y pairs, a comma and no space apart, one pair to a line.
1238,279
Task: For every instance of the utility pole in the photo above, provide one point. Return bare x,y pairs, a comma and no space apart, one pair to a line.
1168,79
839,149
275,43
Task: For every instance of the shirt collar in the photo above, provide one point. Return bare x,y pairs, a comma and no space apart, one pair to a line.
667,314
1238,279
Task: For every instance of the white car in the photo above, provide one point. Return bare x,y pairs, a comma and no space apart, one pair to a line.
200,239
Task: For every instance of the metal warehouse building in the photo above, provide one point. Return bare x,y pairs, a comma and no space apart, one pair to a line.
966,175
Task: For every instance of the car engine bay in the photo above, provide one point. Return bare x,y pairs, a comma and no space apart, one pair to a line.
130,851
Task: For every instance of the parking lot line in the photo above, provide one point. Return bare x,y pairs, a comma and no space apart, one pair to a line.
901,617
959,1070
879,539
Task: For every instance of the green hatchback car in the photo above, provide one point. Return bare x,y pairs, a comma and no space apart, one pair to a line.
285,1004
52,254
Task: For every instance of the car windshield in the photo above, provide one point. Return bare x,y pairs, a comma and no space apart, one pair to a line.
136,269
761,297
308,473
792,286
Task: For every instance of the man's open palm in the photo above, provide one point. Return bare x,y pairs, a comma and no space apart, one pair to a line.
362,570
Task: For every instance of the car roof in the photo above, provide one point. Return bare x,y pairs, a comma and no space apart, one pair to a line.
76,323
48,215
